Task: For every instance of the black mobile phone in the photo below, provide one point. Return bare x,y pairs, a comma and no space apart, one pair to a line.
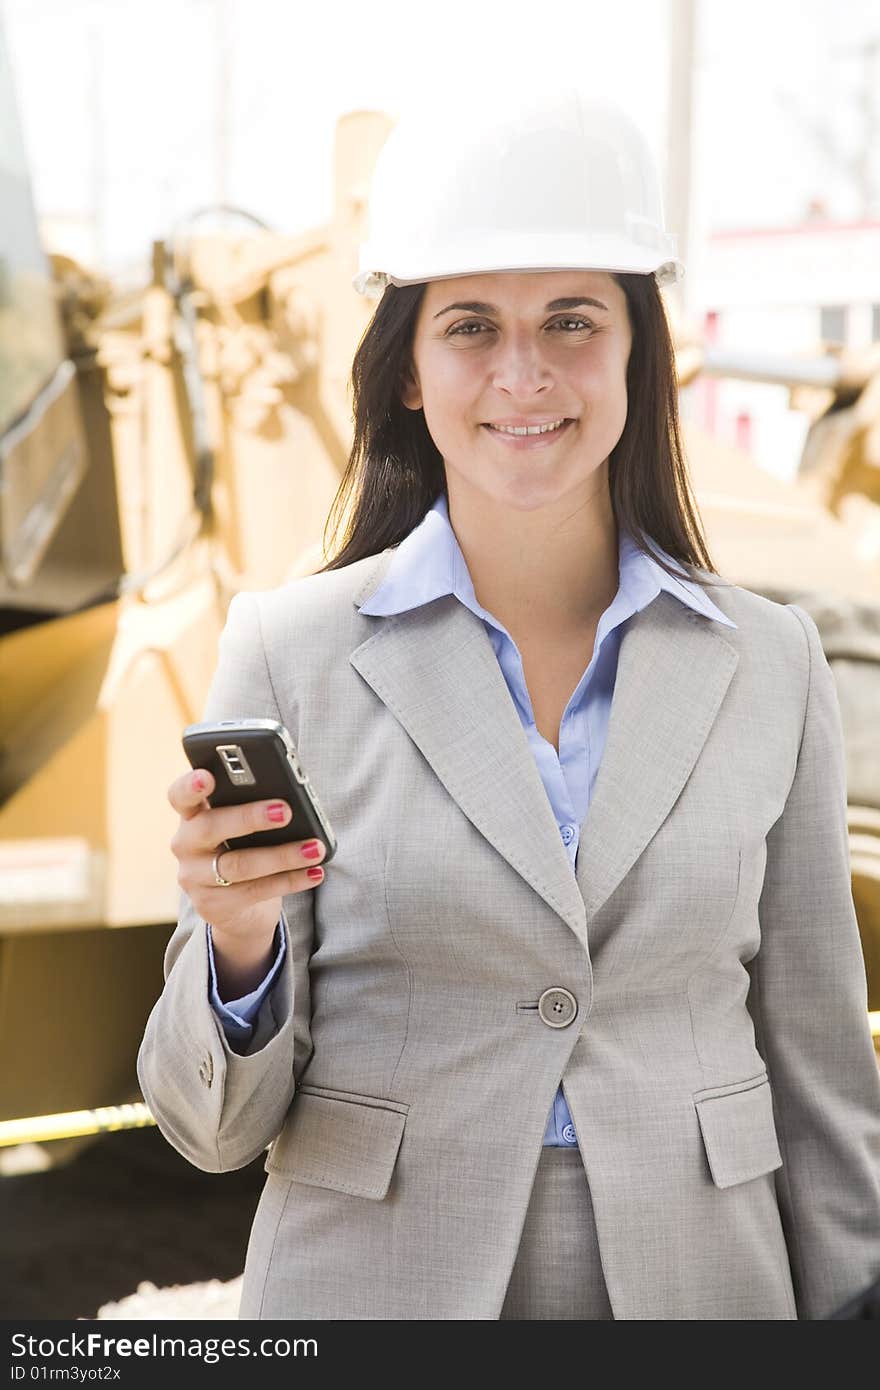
256,760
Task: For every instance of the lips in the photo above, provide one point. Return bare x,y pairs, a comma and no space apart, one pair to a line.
542,439
534,427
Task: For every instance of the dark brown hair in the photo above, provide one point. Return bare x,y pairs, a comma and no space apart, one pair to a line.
395,471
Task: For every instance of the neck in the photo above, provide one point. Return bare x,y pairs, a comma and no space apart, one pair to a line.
553,569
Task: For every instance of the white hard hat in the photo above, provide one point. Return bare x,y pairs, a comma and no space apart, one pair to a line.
556,183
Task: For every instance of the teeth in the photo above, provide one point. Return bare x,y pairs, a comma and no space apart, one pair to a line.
527,429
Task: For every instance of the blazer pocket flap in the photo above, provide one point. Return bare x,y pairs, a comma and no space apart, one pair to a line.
739,1132
339,1140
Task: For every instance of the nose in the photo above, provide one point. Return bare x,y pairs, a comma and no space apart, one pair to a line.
520,367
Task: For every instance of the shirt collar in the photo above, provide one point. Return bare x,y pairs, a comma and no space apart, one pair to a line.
428,564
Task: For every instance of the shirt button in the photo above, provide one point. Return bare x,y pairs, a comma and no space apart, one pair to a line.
567,832
206,1071
569,1135
557,1007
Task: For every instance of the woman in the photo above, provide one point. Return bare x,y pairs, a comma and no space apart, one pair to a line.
575,1026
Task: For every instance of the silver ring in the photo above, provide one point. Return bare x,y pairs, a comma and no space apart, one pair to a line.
220,881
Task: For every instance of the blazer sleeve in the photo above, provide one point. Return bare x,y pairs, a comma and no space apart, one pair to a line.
218,1102
808,998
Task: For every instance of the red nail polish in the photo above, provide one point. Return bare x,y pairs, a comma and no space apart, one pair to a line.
315,873
276,812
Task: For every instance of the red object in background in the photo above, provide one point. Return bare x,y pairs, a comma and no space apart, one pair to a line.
710,386
744,431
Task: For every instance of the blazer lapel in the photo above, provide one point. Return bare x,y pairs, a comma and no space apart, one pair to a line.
673,670
435,668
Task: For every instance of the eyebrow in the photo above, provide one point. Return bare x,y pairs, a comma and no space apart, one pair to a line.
478,307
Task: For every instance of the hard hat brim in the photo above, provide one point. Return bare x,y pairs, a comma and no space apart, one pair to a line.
614,256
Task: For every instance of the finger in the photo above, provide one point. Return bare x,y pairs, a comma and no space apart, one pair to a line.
257,890
188,793
241,865
227,822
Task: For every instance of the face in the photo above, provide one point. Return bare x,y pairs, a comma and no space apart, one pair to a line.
523,349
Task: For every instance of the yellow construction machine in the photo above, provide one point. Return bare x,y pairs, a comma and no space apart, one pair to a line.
160,449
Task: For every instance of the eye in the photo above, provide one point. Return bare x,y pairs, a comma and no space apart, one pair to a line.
461,329
467,323
578,322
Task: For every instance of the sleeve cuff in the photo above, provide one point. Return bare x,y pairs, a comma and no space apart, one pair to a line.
237,1015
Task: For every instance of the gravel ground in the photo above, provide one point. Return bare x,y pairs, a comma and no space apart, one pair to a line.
128,1228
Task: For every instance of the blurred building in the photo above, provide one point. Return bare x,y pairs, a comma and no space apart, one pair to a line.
795,290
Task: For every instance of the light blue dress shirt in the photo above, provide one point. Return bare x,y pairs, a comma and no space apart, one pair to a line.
428,564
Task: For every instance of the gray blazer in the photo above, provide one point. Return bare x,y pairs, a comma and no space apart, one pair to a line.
719,1067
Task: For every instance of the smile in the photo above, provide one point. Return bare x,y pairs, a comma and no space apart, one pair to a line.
529,436
529,429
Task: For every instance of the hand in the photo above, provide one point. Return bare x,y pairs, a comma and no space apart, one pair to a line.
249,909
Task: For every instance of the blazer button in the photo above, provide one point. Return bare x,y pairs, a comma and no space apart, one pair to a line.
557,1007
206,1071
